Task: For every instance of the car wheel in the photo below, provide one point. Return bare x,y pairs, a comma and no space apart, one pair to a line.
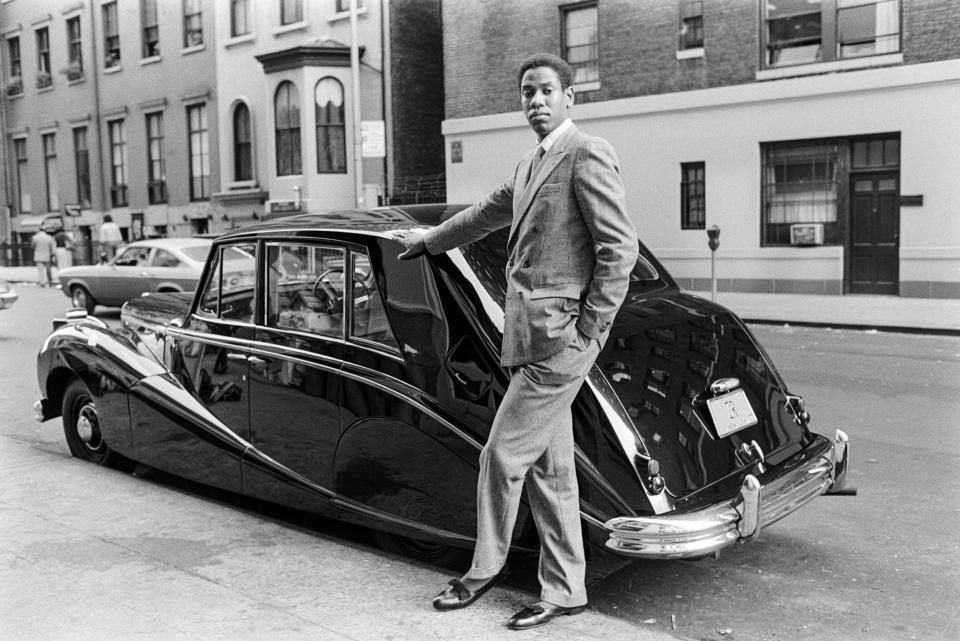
432,552
81,425
82,298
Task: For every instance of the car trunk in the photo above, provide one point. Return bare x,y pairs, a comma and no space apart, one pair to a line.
664,351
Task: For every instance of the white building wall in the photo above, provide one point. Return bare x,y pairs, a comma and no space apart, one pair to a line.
725,127
240,75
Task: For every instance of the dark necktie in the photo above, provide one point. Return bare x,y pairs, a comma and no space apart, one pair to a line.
537,155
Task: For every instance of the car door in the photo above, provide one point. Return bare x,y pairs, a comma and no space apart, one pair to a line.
165,270
124,278
294,374
410,441
195,423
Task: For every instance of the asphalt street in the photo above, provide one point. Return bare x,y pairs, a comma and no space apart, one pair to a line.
95,553
90,552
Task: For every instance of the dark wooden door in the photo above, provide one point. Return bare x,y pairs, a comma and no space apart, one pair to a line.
875,233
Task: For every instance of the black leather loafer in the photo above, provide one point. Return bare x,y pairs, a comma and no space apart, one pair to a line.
458,596
533,616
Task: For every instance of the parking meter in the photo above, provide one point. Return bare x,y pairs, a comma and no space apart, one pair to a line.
713,236
713,240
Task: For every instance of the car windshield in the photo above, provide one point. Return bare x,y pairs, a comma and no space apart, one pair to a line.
487,258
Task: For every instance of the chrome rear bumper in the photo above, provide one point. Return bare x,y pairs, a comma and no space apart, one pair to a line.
706,531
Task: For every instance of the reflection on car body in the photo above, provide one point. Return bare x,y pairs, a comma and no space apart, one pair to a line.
314,369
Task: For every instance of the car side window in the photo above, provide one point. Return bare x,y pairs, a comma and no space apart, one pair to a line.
163,258
229,291
133,257
305,288
368,317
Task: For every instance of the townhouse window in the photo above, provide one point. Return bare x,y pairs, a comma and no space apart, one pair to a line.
44,78
14,86
192,23
867,28
43,50
199,143
242,144
691,24
116,131
156,170
151,28
13,48
50,175
291,11
111,36
286,107
344,5
581,35
23,177
74,49
799,184
331,128
693,199
239,17
81,160
809,31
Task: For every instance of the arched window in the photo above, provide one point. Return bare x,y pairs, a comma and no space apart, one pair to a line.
287,114
242,144
331,130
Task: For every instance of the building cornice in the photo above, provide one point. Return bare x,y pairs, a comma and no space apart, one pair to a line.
329,54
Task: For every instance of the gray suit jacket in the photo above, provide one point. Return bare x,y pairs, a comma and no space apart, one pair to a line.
570,251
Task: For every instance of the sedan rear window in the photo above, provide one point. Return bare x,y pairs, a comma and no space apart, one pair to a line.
197,252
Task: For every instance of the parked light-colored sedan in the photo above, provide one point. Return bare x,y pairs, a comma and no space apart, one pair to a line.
7,296
157,265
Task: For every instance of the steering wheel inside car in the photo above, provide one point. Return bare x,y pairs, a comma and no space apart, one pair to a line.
324,289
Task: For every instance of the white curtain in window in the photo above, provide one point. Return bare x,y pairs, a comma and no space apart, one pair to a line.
886,22
888,26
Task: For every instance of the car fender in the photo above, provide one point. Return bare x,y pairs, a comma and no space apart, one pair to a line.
109,365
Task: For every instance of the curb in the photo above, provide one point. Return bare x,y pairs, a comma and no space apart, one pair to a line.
893,329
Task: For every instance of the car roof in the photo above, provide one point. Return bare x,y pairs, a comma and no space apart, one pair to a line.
172,243
379,220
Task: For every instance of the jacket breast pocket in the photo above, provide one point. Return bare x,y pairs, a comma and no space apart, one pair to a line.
549,189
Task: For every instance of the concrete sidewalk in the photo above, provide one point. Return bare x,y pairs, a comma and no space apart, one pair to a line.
93,553
860,311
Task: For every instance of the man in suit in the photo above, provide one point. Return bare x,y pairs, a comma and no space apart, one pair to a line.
570,250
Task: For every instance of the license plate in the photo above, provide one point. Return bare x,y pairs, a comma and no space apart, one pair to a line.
731,412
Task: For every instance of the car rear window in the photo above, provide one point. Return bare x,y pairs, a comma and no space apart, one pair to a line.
197,252
487,258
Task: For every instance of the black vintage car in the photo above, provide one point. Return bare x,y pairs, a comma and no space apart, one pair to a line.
344,382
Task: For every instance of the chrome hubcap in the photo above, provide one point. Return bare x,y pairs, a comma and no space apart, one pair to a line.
87,428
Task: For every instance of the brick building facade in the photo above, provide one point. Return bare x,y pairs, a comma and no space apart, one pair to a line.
764,119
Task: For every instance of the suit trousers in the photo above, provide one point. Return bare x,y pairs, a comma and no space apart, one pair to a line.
531,442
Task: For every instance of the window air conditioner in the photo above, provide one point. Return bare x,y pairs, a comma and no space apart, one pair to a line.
806,234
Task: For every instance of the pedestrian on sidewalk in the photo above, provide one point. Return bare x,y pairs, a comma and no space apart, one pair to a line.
571,248
110,237
44,256
64,249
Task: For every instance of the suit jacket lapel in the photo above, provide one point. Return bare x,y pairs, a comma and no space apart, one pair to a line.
546,166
